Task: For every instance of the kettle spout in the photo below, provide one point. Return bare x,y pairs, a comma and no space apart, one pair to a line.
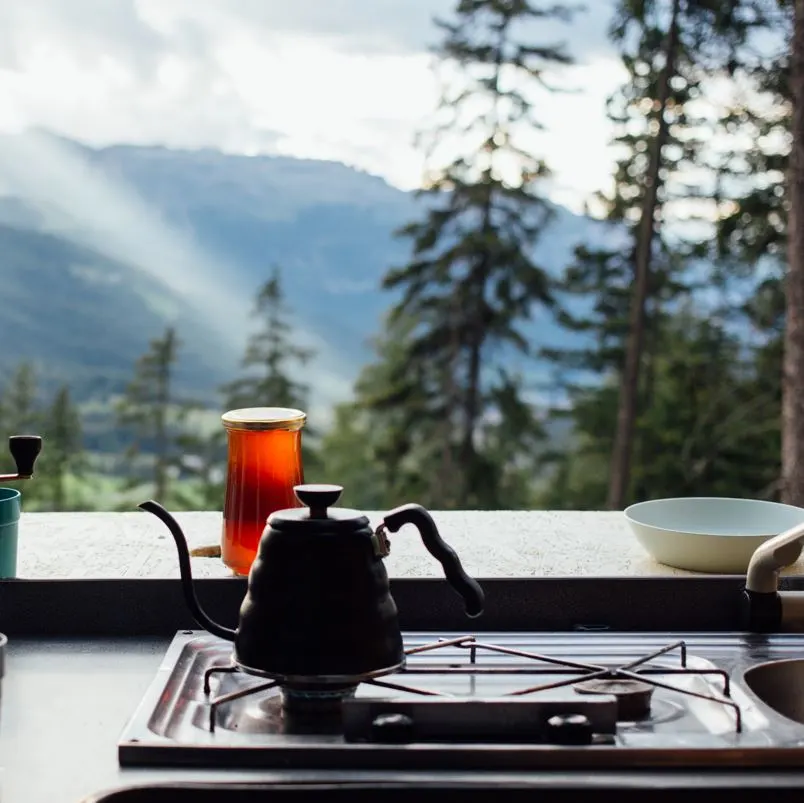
186,572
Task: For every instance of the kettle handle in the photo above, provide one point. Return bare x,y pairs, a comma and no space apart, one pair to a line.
467,587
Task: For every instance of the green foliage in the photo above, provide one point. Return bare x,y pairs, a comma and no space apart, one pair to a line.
272,361
202,446
58,421
440,417
21,413
433,399
349,457
713,424
378,444
154,417
711,429
663,123
63,457
272,355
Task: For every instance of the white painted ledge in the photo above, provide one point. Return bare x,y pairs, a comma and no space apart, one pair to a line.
490,544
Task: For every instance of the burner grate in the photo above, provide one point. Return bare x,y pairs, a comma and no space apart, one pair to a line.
634,672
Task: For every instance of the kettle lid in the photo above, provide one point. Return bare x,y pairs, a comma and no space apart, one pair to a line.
318,512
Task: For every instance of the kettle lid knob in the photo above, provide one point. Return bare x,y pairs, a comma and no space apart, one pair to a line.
318,498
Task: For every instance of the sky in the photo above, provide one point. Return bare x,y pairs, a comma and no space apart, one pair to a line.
350,80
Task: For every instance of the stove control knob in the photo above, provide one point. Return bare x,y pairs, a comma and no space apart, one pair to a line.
569,729
392,729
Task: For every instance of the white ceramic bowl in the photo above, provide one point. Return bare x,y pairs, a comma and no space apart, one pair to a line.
709,534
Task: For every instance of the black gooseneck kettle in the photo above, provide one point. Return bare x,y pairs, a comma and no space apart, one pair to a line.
318,607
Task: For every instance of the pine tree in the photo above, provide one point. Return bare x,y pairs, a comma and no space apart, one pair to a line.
618,297
58,422
595,291
272,357
21,409
273,361
713,425
64,453
350,456
765,310
629,384
612,296
713,421
751,244
403,420
663,77
793,363
152,412
472,281
203,461
670,48
751,195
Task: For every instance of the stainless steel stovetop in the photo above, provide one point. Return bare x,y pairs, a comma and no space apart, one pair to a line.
489,701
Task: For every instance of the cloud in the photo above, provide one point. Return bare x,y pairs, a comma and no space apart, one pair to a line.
326,79
381,26
391,26
137,34
91,30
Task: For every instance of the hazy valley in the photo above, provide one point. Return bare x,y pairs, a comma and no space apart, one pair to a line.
94,259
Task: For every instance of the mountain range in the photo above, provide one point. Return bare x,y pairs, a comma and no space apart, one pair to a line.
101,248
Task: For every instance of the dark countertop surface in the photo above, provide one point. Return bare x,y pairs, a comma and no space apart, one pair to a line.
66,702
64,705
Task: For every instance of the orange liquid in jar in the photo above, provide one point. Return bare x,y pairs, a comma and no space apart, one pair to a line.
263,467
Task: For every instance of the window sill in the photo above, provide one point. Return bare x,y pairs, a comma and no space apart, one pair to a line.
490,544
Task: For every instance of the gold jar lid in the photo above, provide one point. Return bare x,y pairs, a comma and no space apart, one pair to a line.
264,418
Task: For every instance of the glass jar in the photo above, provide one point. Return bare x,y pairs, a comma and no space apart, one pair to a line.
264,464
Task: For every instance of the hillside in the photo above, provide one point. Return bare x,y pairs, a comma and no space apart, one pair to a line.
84,319
100,248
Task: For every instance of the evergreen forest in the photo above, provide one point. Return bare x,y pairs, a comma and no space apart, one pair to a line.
691,379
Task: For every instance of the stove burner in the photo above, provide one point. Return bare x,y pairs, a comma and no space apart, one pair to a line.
633,696
631,684
302,701
315,702
301,697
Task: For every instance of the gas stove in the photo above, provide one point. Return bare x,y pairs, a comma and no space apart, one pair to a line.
513,701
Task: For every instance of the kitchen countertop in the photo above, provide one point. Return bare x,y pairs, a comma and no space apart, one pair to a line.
65,704
490,544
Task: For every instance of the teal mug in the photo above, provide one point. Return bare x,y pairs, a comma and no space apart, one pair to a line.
9,529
